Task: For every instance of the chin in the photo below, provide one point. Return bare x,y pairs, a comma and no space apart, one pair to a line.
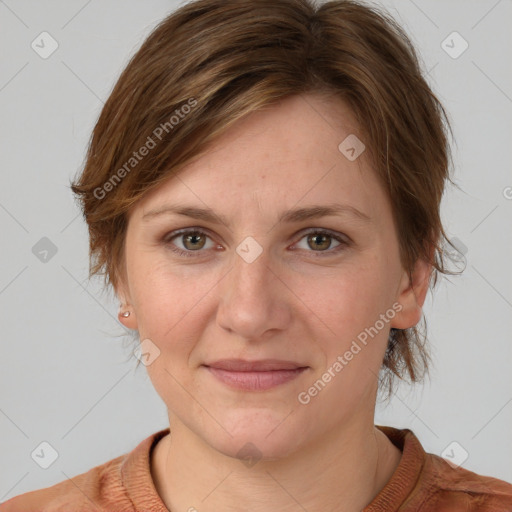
259,434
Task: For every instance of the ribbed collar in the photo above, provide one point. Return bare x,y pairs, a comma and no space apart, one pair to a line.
406,474
136,476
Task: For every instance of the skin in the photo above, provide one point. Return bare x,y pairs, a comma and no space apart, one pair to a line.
299,300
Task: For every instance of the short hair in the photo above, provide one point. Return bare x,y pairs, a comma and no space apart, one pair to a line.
211,62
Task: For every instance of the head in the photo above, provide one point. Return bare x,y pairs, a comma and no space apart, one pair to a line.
262,114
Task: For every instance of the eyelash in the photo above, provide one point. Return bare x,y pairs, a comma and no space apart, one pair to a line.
329,252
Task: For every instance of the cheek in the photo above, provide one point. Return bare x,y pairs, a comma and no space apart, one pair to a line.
357,337
167,298
170,305
351,298
352,308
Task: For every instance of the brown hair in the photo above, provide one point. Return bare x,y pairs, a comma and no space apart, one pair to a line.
211,62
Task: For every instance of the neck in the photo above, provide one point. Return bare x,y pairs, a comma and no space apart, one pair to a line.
342,471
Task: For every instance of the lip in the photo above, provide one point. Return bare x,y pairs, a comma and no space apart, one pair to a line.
255,375
261,365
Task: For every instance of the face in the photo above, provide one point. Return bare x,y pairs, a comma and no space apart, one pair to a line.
270,313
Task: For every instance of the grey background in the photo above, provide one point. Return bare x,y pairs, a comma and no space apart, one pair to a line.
65,375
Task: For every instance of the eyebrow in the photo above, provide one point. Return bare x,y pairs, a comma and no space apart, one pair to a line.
290,216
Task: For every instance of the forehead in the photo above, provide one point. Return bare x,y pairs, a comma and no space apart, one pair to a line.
285,153
299,126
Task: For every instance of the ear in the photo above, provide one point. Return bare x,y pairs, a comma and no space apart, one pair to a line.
124,297
411,295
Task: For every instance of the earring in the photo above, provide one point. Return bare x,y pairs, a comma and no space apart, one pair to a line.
124,314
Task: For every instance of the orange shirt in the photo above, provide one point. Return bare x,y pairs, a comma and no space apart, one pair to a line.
422,482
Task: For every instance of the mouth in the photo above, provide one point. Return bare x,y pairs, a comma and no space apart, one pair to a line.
254,375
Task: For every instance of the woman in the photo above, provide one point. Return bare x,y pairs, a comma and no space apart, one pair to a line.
262,191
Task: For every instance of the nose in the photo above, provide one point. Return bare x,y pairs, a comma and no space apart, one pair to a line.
253,298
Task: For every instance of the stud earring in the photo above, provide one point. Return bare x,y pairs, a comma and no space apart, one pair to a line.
126,314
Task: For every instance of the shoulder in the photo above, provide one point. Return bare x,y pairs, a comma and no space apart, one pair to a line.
425,482
97,489
450,488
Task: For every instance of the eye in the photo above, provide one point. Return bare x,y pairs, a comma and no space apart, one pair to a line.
321,242
191,240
